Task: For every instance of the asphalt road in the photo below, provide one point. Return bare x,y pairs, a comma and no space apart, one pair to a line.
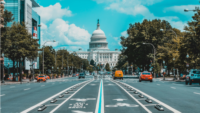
101,95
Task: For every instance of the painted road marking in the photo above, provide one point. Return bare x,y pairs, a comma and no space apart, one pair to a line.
134,98
52,105
42,85
76,111
152,98
27,89
12,86
48,99
85,99
158,84
173,87
196,93
2,95
52,111
119,99
92,84
141,99
150,104
122,105
100,99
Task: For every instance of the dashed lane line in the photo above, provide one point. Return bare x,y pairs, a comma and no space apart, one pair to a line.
196,93
48,99
173,87
154,99
12,86
158,84
27,89
150,105
68,98
42,85
2,95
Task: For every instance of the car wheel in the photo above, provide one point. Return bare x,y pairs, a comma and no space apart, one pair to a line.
139,80
114,78
190,82
151,81
186,82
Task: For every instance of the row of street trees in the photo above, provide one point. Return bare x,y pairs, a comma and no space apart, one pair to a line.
61,60
171,45
16,42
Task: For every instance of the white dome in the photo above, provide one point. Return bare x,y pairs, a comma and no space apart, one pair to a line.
98,40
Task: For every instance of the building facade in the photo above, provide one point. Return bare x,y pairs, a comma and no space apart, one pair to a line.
22,11
99,51
1,12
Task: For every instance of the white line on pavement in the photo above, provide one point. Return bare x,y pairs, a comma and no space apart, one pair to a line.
48,99
149,104
141,99
12,86
134,98
27,89
42,85
68,98
173,87
161,103
158,84
52,105
196,93
2,95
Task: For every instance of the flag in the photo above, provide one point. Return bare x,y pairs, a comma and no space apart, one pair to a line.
34,32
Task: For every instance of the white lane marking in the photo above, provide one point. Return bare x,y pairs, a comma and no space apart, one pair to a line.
2,95
98,98
161,103
196,93
52,111
48,99
12,86
150,104
122,105
141,99
52,105
119,99
102,101
27,89
76,111
158,84
134,98
42,85
173,87
84,99
27,84
92,84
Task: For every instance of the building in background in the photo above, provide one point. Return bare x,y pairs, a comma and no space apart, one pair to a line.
22,11
99,51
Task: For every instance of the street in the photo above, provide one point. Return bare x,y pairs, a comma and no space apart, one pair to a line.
101,95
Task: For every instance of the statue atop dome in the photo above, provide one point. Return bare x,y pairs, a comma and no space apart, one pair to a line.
98,21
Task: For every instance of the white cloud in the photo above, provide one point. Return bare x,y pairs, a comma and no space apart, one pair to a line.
52,12
124,33
65,34
43,26
180,9
138,7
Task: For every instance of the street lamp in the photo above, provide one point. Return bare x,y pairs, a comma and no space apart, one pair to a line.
187,65
43,53
174,69
154,56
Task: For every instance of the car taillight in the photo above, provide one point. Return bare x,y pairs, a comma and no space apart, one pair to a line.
192,74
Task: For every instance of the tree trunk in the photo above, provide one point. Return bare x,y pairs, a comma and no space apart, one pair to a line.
13,70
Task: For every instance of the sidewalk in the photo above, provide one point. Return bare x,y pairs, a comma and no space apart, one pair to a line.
170,79
10,82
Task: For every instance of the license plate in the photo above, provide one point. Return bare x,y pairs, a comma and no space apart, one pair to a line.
119,74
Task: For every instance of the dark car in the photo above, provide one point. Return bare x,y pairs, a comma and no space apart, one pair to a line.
81,75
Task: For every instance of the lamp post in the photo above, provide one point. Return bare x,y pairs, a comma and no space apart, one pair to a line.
43,53
154,56
3,68
174,69
187,65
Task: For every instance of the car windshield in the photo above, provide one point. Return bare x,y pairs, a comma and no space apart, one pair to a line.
146,73
41,76
196,72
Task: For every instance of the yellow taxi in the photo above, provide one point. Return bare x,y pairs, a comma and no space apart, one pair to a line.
118,74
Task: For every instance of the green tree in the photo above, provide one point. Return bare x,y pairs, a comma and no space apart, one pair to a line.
107,67
8,17
92,62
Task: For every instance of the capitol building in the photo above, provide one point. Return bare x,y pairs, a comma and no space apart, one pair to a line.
98,50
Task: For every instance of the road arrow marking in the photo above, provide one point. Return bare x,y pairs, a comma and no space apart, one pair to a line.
196,93
119,99
173,87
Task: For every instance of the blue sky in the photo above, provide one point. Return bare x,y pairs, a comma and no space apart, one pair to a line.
71,22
